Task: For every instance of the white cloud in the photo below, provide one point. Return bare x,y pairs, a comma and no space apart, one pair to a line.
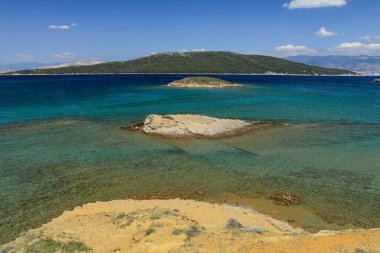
370,37
290,50
355,45
350,45
64,55
355,48
323,32
309,4
59,27
62,27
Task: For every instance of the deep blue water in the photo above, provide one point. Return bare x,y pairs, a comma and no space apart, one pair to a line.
120,97
60,137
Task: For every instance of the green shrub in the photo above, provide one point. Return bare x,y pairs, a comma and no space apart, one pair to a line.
233,223
51,246
155,216
45,246
177,231
74,246
149,231
167,117
121,215
192,231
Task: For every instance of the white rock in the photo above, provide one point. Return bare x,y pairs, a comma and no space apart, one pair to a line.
191,125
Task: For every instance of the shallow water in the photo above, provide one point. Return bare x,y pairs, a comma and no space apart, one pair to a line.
61,145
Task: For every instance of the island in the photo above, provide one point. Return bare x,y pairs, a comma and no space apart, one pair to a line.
376,80
216,62
181,225
190,125
202,82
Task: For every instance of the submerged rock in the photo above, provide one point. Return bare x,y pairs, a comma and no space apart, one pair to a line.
133,127
286,199
174,194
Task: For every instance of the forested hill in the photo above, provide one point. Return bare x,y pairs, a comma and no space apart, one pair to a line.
195,62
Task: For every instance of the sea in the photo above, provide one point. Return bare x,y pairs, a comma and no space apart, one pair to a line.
61,146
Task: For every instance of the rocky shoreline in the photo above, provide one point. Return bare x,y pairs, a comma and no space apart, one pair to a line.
190,125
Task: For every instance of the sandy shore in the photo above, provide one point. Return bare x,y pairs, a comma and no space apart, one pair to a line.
181,226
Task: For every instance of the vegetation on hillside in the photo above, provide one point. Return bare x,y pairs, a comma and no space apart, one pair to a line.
195,62
51,246
202,80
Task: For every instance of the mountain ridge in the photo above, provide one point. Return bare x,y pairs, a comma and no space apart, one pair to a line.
363,64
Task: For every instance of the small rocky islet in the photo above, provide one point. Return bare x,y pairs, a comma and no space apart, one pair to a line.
202,82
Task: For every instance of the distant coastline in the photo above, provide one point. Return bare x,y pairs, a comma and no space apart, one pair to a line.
237,74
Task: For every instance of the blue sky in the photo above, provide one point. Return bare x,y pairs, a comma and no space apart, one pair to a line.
84,30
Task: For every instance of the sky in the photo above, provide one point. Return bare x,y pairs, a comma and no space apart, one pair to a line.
54,31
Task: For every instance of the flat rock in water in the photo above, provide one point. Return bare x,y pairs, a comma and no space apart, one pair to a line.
181,125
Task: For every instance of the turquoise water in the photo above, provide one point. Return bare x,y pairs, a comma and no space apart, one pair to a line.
61,146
